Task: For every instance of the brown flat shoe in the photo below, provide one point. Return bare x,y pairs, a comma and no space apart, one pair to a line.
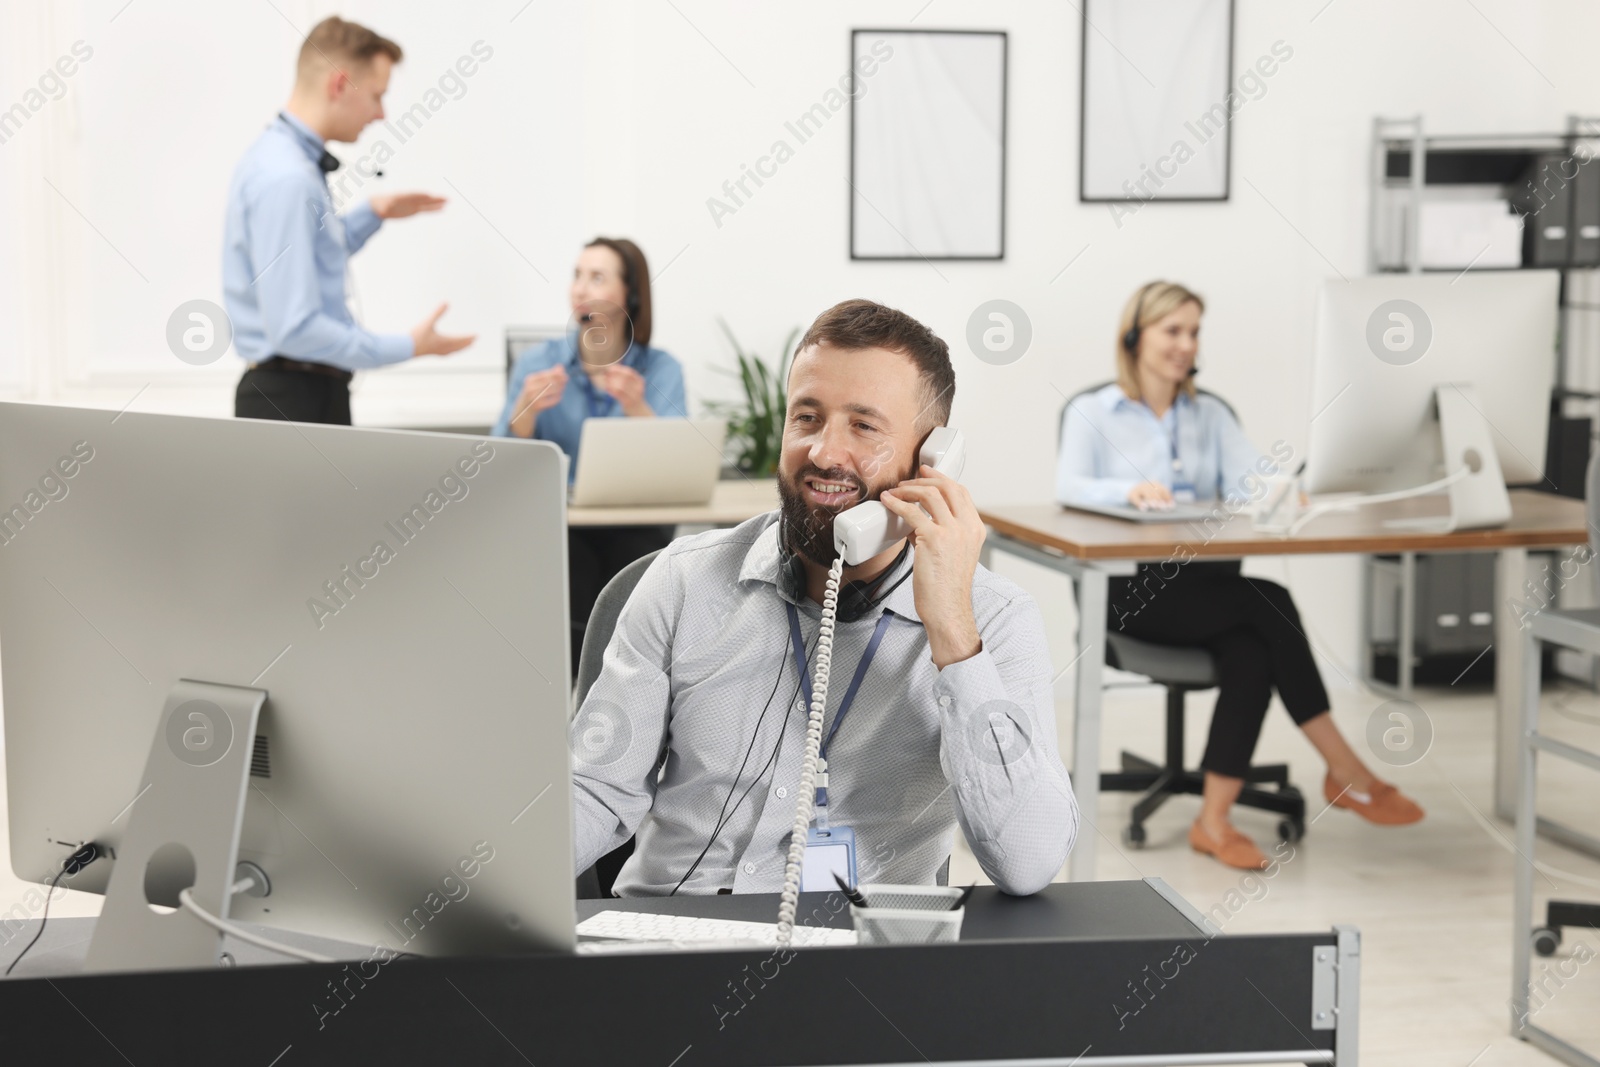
1383,806
1235,849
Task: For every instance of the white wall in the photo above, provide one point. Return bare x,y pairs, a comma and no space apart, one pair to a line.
625,116
1297,214
119,185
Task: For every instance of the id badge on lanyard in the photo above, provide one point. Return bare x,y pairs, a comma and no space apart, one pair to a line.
1182,486
830,849
828,852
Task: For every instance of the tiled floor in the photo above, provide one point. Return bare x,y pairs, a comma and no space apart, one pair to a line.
1432,901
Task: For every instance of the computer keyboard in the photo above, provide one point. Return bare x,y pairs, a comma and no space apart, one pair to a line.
638,926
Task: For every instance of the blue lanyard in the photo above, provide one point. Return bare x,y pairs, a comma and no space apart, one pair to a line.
1182,487
1177,461
799,646
601,403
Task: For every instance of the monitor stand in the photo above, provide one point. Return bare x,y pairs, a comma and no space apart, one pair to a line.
183,831
1478,497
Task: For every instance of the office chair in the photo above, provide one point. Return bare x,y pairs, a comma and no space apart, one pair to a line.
1182,670
521,338
596,882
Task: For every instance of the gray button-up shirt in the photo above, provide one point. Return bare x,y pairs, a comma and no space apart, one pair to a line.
679,742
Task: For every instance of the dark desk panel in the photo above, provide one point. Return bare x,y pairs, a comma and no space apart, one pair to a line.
1146,984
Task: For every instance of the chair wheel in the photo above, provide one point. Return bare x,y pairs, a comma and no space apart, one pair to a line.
1546,939
1133,835
1291,830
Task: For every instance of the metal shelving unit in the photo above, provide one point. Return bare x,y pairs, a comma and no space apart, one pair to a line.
1570,630
1553,181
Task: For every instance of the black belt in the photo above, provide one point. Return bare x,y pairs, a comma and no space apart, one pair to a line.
285,363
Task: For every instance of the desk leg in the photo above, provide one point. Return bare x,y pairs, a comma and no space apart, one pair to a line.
1368,658
1526,714
1093,585
1511,567
1406,654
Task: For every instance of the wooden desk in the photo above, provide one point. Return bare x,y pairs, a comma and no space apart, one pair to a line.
1538,520
1091,548
731,503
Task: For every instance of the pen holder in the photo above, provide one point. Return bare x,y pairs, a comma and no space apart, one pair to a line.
907,914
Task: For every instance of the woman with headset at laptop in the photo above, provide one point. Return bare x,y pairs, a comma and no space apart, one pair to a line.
604,368
1151,440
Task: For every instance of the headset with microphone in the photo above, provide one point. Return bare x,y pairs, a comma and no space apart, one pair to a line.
1130,340
631,300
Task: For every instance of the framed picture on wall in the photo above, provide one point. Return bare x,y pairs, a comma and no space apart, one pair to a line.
1156,100
927,144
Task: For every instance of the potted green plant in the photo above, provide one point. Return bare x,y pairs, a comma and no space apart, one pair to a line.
755,423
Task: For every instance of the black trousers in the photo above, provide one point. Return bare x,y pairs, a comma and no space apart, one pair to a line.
594,556
1251,628
292,396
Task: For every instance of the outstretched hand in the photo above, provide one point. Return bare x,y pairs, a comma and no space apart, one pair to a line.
401,205
426,339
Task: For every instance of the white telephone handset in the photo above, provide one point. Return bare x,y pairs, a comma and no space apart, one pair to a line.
858,534
868,529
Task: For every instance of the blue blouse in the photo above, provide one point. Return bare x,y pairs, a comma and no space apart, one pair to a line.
582,399
1110,443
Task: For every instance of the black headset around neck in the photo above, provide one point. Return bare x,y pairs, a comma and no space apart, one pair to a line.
327,162
856,598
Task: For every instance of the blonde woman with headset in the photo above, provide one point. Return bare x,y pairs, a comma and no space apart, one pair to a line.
1151,439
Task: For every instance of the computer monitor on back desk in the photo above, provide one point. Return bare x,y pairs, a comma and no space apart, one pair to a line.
1435,383
339,655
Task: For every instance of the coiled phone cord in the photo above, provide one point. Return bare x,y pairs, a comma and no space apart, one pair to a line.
790,899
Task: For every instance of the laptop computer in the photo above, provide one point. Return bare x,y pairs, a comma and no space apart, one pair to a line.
645,462
1177,513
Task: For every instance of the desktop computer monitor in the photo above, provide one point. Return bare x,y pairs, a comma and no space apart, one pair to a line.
399,598
1394,352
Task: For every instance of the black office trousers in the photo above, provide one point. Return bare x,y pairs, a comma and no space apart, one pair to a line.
1252,630
292,396
594,556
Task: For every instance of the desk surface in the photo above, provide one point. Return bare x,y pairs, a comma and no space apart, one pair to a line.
1538,520
1062,911
1072,911
732,502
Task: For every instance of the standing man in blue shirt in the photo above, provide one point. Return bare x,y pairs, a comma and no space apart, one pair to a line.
284,250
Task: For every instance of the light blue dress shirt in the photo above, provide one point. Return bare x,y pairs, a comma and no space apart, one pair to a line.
1109,444
283,258
688,676
582,399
